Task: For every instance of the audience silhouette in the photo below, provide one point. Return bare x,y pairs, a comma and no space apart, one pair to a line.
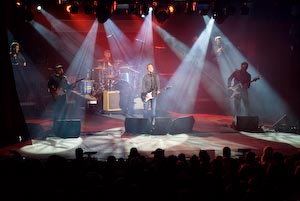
174,177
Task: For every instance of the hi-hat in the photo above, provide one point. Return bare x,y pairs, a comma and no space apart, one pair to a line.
128,67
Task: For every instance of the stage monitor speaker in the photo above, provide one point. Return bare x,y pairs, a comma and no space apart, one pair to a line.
137,125
282,122
161,125
111,101
67,128
286,124
36,131
183,124
246,123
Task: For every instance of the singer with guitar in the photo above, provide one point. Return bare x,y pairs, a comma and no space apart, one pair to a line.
150,89
58,85
241,79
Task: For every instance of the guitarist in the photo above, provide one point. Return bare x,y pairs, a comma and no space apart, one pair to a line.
242,79
58,85
150,89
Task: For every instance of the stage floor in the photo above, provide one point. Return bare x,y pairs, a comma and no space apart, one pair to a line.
102,135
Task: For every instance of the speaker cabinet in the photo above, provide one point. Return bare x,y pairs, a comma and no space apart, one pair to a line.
111,101
183,125
67,128
137,125
286,124
36,131
246,123
161,125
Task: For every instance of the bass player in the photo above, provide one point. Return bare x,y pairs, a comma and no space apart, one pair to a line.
58,85
241,78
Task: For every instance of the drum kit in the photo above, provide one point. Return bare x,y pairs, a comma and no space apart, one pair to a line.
107,77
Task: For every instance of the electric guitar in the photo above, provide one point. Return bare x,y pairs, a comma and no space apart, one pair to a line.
235,90
150,94
60,91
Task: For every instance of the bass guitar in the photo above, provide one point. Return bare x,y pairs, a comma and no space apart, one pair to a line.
55,92
235,90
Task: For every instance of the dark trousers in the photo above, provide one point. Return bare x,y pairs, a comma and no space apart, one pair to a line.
60,108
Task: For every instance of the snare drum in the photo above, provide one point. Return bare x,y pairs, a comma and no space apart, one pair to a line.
86,86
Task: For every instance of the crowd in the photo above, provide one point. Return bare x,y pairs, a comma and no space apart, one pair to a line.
270,176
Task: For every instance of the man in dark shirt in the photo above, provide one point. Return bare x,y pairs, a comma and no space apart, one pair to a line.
58,85
239,89
20,72
150,89
16,56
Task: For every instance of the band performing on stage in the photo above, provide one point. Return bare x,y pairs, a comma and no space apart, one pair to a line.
108,76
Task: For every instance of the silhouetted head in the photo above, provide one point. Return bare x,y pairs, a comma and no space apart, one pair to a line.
244,66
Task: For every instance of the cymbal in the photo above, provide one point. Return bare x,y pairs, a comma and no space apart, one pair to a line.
100,60
125,67
99,68
133,70
129,68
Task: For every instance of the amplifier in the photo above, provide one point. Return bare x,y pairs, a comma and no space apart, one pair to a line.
111,101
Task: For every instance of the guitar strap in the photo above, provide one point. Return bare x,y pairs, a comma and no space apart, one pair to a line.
153,83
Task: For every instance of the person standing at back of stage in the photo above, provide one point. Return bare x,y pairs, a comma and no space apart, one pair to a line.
16,57
58,85
241,83
150,89
19,63
218,50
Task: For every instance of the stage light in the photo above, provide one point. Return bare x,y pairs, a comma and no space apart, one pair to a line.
191,7
144,10
72,7
39,7
123,7
103,12
203,7
162,14
219,15
18,3
171,9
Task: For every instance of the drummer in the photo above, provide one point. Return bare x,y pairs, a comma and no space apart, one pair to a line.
109,68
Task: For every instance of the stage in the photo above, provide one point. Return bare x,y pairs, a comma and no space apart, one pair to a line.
102,135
